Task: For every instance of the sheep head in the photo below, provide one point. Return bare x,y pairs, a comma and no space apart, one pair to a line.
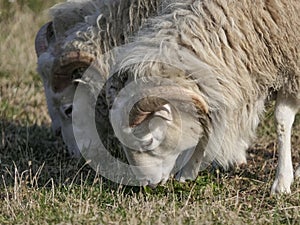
61,63
159,124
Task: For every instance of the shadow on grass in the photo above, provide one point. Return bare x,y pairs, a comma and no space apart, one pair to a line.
32,147
33,155
28,152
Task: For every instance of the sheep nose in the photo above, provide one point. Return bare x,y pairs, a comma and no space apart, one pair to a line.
67,110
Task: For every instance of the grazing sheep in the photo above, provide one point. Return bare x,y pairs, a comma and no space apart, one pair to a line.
81,31
203,72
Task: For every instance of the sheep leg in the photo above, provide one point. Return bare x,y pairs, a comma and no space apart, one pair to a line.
285,111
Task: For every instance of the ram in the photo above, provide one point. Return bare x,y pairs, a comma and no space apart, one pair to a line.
80,32
202,73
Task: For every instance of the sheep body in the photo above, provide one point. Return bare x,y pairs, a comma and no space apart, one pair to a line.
234,54
79,32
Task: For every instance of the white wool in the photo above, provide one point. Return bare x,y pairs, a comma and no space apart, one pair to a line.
236,57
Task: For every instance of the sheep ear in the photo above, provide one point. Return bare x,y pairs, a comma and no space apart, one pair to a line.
164,112
43,37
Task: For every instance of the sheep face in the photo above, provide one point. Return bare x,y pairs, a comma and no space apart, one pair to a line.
63,104
60,67
159,128
60,106
163,141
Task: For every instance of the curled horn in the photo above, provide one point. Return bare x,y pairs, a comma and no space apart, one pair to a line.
69,67
42,38
78,56
65,65
150,104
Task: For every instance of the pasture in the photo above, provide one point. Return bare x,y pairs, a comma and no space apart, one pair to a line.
41,184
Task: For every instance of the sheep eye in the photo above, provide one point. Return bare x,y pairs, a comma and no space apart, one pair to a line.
77,73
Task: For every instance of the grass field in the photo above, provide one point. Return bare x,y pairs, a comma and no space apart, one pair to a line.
40,184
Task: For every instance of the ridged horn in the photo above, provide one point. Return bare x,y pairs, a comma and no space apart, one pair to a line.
69,66
156,97
42,38
78,56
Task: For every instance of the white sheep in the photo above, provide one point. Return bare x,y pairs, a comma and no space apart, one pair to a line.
207,68
79,32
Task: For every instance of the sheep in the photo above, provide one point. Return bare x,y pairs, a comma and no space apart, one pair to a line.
79,32
203,72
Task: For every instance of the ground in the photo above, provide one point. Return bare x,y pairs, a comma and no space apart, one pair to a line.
41,184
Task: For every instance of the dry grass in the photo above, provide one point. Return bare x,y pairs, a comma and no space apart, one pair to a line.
40,184
19,80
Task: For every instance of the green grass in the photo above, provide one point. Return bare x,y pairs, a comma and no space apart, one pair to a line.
41,184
